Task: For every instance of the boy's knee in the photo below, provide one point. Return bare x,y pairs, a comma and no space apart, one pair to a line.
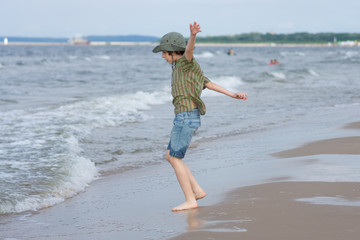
172,160
168,157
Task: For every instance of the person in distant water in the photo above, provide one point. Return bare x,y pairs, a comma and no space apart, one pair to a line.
187,83
231,52
274,62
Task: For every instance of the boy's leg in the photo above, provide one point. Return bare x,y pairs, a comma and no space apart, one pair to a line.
185,124
199,193
181,171
197,190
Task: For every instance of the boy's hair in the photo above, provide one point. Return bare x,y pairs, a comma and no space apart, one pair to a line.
176,52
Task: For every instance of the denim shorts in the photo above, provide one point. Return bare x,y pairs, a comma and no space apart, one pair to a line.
185,125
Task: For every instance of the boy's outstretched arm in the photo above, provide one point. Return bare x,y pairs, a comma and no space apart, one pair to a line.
213,86
189,50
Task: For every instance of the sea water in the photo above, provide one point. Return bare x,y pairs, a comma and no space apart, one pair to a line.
72,114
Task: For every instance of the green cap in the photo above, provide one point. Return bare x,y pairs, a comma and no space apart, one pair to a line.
171,42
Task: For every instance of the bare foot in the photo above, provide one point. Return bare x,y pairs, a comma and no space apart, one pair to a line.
199,195
185,206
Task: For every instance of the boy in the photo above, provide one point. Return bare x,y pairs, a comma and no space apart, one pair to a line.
188,81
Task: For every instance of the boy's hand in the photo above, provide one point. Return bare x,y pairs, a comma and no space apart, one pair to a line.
194,28
239,95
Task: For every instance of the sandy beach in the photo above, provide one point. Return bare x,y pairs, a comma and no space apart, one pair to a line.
295,209
308,192
281,210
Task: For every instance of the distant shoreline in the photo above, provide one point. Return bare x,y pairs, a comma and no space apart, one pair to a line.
265,44
153,44
252,39
69,44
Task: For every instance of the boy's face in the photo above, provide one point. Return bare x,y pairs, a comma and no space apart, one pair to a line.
165,55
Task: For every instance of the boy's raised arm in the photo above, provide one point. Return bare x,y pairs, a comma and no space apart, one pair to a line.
189,50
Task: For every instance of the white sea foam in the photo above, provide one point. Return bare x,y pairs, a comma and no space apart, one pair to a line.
356,104
231,83
350,54
278,75
204,55
104,57
312,72
296,53
81,172
44,144
110,111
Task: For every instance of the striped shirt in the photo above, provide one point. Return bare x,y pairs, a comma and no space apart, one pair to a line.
187,83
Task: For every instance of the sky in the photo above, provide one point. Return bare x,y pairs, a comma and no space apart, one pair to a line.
65,18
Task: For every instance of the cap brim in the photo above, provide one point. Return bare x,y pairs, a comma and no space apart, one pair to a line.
167,47
157,49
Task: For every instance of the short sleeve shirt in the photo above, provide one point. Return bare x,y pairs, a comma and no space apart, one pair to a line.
187,83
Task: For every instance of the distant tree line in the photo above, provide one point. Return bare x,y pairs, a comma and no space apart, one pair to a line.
300,37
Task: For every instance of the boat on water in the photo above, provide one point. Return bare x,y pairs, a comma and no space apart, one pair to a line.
79,40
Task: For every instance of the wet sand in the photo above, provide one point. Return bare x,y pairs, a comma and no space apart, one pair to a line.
297,209
307,192
345,145
281,210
